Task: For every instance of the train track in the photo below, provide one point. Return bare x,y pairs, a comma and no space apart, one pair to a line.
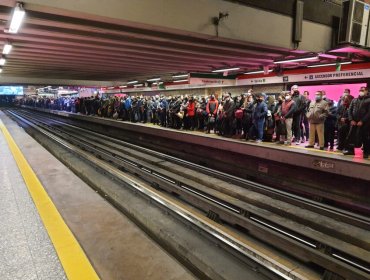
222,204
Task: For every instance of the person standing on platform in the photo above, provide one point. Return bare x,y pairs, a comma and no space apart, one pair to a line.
288,109
343,121
190,113
359,117
162,111
247,116
229,107
329,126
316,115
258,118
128,103
300,104
212,107
305,127
277,116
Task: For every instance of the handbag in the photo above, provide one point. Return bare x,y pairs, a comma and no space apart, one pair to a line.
115,115
212,119
239,114
180,115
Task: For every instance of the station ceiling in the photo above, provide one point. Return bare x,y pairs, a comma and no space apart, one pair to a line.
60,44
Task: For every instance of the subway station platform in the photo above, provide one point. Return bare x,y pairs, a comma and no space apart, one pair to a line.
54,226
331,161
321,175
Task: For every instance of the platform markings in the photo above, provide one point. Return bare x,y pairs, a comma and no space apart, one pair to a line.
72,257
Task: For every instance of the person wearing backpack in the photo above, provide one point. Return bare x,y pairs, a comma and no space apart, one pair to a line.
300,103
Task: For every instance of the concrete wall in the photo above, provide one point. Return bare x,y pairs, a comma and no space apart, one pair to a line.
194,17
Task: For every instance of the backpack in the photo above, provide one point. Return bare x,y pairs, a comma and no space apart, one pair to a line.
239,114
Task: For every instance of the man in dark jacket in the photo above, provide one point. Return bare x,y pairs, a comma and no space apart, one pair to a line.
300,104
359,117
258,118
229,107
329,125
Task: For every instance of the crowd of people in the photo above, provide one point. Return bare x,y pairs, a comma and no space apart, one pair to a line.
290,117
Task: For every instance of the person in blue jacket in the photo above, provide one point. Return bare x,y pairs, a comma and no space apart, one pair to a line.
128,103
258,118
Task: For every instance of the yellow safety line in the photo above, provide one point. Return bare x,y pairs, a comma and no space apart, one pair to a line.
73,259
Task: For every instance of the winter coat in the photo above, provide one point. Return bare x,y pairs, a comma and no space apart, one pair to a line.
191,109
212,107
300,103
288,109
318,112
359,110
259,111
229,108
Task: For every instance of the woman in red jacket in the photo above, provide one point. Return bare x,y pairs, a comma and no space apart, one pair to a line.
190,113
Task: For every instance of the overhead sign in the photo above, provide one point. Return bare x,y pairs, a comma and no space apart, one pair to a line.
326,76
10,90
204,82
259,81
310,77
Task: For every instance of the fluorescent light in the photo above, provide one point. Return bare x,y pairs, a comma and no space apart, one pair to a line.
329,64
153,80
132,82
257,72
138,85
2,61
225,70
180,76
110,87
17,18
296,59
180,81
7,48
122,86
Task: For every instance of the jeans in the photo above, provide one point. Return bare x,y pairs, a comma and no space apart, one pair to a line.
257,129
305,128
297,127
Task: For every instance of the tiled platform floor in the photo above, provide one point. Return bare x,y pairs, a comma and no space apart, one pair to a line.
26,251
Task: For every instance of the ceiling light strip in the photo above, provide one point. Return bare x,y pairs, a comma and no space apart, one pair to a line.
17,18
296,59
225,70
